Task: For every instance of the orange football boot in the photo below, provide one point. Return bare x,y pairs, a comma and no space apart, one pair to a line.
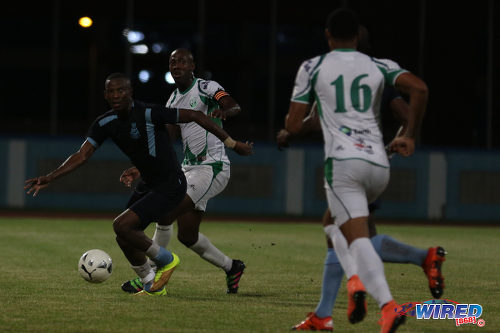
390,319
356,300
314,323
432,268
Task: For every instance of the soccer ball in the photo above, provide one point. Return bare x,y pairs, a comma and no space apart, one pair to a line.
95,266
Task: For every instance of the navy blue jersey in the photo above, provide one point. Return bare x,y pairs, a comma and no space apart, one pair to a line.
142,136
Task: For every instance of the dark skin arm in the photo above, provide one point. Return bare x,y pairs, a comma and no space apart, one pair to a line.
34,185
294,120
309,124
228,108
174,132
131,174
186,116
400,111
417,91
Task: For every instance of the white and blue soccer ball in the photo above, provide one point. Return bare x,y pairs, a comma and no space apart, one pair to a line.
95,266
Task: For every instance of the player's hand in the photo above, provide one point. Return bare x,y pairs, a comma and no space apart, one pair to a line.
282,139
34,185
402,145
217,113
129,175
244,149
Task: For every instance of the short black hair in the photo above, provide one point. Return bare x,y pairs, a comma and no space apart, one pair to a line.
343,23
118,76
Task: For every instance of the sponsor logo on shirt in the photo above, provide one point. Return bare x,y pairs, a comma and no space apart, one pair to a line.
362,146
346,130
349,131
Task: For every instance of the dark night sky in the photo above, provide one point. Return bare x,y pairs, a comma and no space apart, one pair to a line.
449,52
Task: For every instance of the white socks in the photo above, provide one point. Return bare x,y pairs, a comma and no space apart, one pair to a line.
370,270
210,253
203,247
360,258
153,250
340,245
145,272
162,235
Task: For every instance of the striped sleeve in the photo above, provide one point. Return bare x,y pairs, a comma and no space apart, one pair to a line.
97,133
219,94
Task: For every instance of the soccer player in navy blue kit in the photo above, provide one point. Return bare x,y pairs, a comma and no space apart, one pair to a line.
138,129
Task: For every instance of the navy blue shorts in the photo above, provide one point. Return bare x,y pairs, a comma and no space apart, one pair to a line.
151,204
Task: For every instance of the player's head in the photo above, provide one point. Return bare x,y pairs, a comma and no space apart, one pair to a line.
342,26
118,91
181,66
364,40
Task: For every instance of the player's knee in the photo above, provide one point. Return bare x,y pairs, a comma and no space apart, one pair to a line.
187,240
121,243
117,227
120,226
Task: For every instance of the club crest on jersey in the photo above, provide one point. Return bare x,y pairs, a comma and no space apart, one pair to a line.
134,132
193,102
204,84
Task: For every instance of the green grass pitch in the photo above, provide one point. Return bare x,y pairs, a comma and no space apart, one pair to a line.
41,290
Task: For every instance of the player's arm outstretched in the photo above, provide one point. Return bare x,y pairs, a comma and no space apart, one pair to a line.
417,91
174,131
34,185
241,148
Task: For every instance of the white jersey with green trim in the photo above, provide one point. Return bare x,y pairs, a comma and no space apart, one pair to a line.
347,86
200,146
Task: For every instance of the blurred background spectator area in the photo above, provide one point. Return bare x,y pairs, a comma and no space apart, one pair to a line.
53,68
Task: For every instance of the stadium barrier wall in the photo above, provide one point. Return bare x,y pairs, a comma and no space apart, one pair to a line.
431,185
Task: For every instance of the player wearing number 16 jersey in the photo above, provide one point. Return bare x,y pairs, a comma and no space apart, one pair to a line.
347,86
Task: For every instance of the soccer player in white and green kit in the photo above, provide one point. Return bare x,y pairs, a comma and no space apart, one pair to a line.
205,165
347,86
